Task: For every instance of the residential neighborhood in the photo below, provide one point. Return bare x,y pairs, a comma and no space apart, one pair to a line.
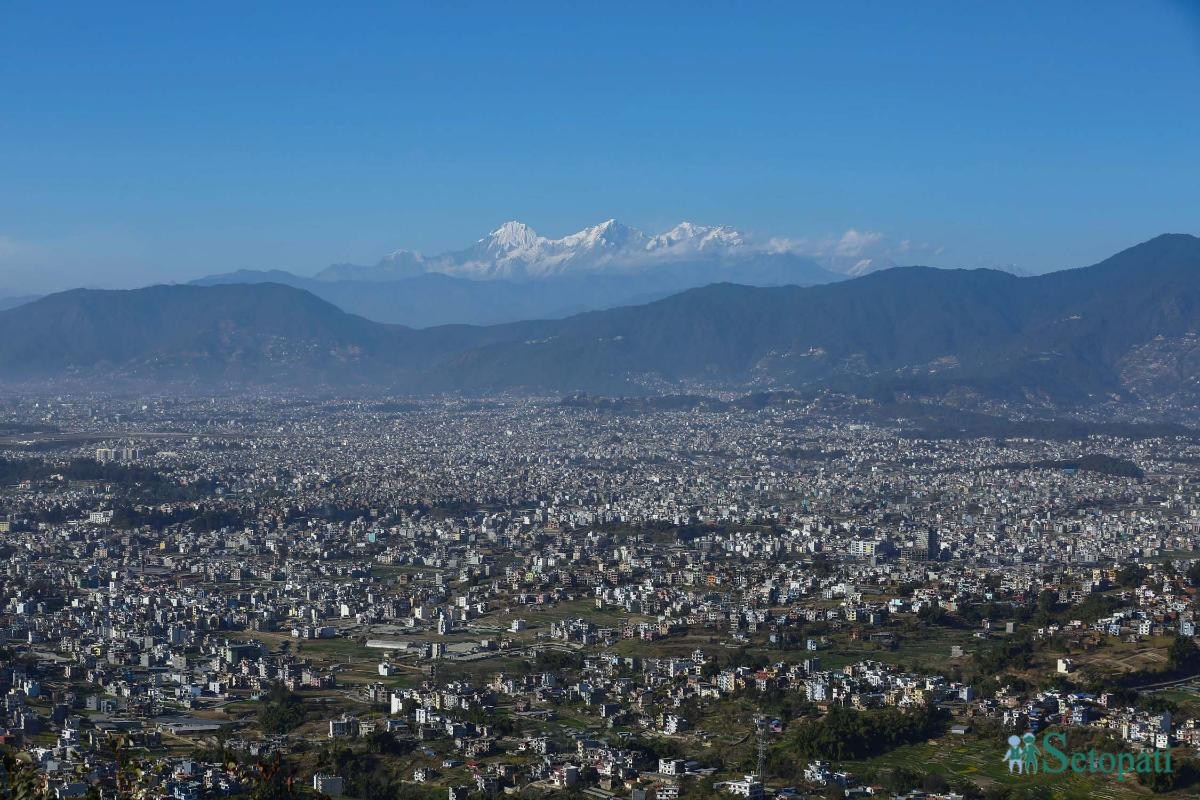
367,600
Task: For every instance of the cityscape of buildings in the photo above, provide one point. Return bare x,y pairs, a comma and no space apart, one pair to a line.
453,598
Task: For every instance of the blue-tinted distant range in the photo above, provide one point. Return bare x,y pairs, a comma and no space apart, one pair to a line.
1122,331
513,273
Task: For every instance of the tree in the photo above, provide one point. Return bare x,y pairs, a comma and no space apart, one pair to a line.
900,780
271,780
934,615
1185,774
23,781
281,710
1184,656
1131,576
1012,652
387,744
1047,601
845,734
933,782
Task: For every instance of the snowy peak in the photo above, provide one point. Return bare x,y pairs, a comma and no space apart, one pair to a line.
511,236
610,235
515,250
403,256
689,236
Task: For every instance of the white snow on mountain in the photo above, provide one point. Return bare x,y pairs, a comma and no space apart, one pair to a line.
695,238
511,237
514,250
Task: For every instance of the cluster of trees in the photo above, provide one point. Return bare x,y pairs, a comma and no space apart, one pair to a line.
1092,608
784,705
658,747
281,710
1093,462
936,615
557,660
272,780
502,724
1131,576
127,515
846,734
1048,609
1184,656
941,422
21,780
363,772
1184,773
329,512
1013,652
15,470
139,480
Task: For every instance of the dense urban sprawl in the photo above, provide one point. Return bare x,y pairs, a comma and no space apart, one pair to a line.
278,597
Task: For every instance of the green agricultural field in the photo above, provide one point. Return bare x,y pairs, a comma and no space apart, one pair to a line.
482,669
927,649
981,762
542,616
339,649
1115,656
1185,698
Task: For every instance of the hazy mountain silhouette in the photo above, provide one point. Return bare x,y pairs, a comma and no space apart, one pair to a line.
1126,327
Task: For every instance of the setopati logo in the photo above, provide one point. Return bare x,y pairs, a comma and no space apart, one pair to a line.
1024,757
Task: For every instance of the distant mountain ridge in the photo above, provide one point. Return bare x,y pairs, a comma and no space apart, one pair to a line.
514,273
13,301
1125,329
256,333
434,298
514,251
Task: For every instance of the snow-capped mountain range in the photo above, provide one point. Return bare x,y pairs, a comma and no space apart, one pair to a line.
515,251
514,273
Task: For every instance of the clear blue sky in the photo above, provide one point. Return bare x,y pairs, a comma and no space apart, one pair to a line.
160,141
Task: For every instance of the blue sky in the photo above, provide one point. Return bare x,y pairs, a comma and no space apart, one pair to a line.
144,142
